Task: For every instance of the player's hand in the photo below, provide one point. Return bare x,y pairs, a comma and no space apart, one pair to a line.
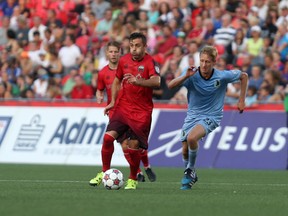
107,108
99,97
191,71
241,106
130,78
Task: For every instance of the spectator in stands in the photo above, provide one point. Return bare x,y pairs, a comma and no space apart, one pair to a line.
165,43
3,31
164,12
171,64
105,24
263,95
251,97
68,81
22,31
11,67
38,26
198,31
239,46
226,34
40,85
7,7
281,42
70,54
12,45
48,40
193,50
54,64
99,8
153,13
283,11
254,45
52,19
3,92
81,90
256,77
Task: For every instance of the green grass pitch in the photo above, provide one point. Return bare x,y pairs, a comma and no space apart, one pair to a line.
52,190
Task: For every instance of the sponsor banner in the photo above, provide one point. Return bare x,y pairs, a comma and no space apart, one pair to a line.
73,135
252,140
55,135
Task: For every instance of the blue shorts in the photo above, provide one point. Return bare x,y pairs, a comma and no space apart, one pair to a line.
208,123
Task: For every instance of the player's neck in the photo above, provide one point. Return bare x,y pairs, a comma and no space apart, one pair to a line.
112,66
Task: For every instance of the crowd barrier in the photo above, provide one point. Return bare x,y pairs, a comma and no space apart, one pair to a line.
72,133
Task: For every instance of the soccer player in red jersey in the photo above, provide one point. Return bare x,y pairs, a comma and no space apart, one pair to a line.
136,76
105,80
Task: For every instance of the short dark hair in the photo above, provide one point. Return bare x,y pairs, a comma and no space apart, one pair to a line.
113,43
138,35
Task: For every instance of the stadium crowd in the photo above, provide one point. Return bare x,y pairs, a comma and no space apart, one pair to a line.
54,49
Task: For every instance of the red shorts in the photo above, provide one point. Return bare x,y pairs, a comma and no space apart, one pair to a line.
135,125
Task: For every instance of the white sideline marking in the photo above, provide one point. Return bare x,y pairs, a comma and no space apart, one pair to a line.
203,183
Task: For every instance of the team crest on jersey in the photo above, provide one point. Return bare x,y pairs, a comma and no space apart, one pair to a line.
217,83
141,69
157,69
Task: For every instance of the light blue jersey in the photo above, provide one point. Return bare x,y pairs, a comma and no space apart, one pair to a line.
206,99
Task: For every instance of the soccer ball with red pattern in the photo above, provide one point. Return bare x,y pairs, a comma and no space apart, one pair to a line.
113,179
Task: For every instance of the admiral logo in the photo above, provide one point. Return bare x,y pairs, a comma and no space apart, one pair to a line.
4,124
29,135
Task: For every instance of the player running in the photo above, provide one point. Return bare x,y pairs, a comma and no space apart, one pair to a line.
206,87
136,76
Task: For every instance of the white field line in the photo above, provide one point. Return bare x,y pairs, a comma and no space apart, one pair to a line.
203,183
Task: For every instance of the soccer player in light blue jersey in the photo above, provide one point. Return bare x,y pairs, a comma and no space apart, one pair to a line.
206,87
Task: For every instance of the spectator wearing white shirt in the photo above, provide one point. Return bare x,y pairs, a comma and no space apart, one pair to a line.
38,26
70,54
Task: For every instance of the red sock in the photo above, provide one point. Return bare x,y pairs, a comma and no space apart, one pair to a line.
144,158
135,163
107,151
127,156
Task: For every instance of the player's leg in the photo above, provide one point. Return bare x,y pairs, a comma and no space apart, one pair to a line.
185,153
134,153
145,160
106,153
190,176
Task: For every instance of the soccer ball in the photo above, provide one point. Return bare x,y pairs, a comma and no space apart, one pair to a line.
113,179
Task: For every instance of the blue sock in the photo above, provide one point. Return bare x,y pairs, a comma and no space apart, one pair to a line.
185,162
192,158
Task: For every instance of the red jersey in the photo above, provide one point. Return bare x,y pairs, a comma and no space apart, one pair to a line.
105,79
136,98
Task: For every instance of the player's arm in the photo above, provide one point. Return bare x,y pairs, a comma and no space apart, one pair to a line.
153,82
180,80
116,86
244,83
99,96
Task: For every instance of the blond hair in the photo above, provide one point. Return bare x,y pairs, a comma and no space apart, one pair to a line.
210,51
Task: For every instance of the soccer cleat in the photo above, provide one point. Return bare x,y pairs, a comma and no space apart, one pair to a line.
97,180
140,177
131,184
151,175
189,179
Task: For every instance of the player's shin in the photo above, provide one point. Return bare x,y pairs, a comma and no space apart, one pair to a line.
107,151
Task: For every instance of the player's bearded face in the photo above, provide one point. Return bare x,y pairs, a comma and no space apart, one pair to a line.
137,49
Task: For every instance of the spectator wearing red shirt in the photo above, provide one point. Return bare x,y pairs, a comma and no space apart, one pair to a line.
81,90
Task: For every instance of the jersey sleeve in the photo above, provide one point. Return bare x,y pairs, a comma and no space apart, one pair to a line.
119,71
232,76
154,69
100,81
